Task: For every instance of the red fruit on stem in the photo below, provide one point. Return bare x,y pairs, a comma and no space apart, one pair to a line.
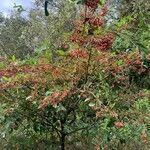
119,124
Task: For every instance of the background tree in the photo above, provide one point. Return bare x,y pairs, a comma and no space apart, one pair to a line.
36,32
10,39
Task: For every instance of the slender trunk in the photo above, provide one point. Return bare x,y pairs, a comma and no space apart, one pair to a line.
63,141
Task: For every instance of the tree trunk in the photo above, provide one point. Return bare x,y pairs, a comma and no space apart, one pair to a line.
63,141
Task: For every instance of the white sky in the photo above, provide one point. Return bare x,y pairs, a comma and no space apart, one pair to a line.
7,5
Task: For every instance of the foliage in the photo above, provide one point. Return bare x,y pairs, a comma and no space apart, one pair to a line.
134,26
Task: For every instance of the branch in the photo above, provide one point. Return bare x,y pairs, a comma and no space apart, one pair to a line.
88,64
13,97
80,129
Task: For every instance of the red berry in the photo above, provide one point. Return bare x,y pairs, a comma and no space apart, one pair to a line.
119,124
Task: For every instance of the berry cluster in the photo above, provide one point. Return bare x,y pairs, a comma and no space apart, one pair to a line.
78,53
103,43
54,99
78,25
92,4
77,38
96,22
13,70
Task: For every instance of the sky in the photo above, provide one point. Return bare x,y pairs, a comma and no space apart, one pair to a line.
7,5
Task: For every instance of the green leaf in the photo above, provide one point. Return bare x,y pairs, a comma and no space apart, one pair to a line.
48,93
61,53
60,107
87,99
91,104
13,58
120,62
102,2
81,2
2,65
124,20
6,79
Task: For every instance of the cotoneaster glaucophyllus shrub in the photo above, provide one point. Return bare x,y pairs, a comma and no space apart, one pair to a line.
77,97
